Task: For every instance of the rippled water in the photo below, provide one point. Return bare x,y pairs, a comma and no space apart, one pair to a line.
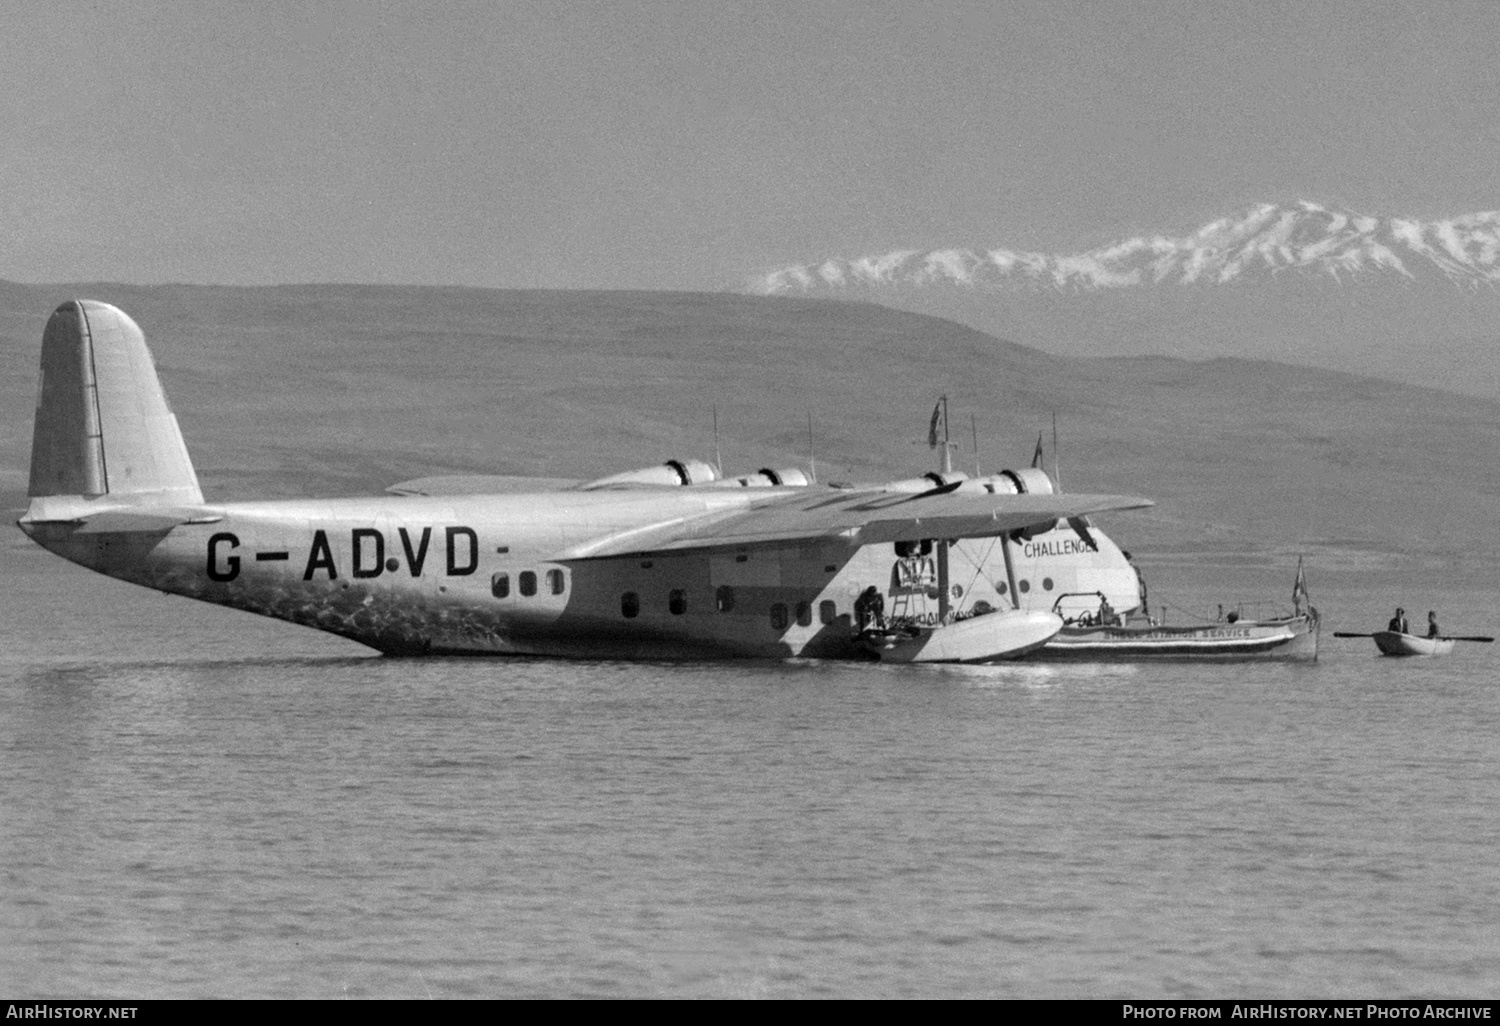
200,803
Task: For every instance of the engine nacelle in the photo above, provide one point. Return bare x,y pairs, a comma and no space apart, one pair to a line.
1027,481
673,473
1031,480
765,477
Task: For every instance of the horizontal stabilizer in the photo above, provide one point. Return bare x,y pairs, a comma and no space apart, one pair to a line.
149,520
855,517
103,515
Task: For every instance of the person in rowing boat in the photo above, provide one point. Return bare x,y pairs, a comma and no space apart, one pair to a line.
1432,625
869,609
1398,622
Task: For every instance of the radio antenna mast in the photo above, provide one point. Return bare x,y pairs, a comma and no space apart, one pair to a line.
1056,463
812,462
718,461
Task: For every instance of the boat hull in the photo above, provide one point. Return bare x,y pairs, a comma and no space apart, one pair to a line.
1293,638
991,637
1392,643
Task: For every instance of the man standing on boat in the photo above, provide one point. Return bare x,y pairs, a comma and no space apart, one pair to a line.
1432,624
1398,622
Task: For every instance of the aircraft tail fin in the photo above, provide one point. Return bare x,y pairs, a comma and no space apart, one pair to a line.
103,427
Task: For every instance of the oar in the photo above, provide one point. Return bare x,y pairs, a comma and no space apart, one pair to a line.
1445,637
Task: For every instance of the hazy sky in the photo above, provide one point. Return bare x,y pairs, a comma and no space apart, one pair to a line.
696,145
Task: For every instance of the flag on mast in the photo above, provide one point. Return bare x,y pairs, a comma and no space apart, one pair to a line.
932,429
1300,598
1037,460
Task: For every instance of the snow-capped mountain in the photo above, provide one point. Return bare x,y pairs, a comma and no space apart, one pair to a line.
1266,241
1300,283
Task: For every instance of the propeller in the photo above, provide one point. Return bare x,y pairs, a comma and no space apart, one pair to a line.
1080,526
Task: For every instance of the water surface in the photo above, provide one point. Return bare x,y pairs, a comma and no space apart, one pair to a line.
195,802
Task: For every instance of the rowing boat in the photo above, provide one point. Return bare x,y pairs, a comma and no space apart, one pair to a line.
1394,643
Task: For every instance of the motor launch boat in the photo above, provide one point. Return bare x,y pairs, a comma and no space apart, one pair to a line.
1292,637
1093,631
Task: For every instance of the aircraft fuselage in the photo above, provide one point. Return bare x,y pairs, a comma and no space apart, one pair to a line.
481,575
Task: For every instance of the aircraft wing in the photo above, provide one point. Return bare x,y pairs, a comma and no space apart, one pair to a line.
481,484
856,517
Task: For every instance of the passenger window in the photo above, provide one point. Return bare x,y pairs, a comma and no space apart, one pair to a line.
677,602
555,582
804,614
500,585
724,598
630,605
828,611
528,582
778,616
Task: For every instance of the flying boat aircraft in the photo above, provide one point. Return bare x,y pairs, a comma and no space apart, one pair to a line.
667,562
